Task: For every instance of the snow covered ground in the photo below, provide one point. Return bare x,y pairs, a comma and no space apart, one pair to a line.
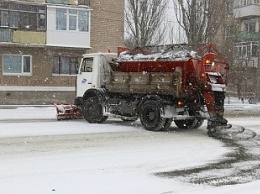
41,155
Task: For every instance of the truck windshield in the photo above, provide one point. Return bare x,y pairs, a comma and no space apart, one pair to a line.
87,64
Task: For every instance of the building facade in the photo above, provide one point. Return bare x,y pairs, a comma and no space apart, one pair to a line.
41,43
246,45
240,35
246,52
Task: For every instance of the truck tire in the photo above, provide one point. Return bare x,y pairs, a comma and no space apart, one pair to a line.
193,123
150,116
93,111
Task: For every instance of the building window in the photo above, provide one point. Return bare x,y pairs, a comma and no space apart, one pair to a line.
14,19
5,35
17,64
241,3
254,50
250,26
84,2
247,2
246,50
4,18
77,20
41,20
28,21
72,20
83,23
65,65
61,19
29,17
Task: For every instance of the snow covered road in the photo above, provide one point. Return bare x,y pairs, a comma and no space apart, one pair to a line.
41,155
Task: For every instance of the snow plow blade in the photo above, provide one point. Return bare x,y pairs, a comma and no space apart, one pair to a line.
68,111
235,132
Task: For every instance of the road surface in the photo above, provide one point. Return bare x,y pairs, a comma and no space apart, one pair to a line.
42,155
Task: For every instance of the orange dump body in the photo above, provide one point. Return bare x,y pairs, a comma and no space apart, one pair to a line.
191,68
194,69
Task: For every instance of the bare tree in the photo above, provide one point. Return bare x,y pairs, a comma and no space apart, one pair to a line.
200,19
144,22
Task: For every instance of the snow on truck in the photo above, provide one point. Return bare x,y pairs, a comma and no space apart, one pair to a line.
177,85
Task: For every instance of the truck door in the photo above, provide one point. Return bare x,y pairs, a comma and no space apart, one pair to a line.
103,67
85,76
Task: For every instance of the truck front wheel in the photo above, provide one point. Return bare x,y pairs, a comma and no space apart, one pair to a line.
93,111
150,116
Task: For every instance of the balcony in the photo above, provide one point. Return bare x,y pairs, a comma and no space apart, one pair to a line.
29,37
69,2
248,36
247,11
14,36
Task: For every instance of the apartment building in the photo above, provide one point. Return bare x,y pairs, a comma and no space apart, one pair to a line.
41,43
242,46
246,45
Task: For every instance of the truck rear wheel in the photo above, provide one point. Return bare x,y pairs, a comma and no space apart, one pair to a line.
93,111
192,123
150,116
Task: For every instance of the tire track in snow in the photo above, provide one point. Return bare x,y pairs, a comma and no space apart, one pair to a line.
241,165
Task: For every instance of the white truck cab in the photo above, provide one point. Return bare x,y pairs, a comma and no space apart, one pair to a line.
91,71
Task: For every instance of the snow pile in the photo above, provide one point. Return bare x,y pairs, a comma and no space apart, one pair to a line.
27,112
176,55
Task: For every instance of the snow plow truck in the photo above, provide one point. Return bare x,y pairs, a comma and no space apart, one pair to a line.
177,85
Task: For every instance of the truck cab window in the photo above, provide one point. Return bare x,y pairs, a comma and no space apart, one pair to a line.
87,64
